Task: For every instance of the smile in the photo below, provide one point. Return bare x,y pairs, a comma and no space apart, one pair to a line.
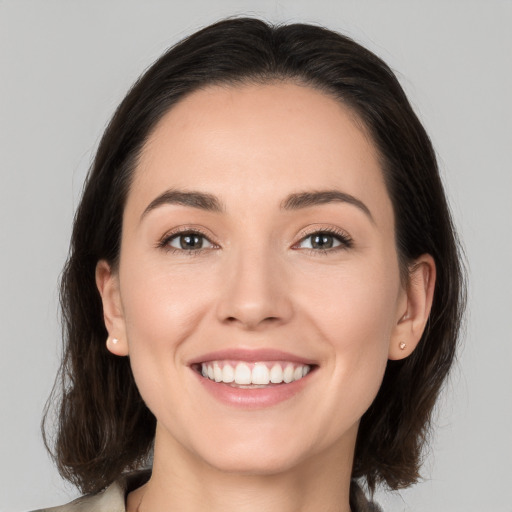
253,379
253,374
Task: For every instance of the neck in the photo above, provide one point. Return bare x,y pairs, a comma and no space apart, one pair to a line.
180,481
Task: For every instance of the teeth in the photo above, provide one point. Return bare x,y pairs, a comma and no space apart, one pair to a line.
258,374
243,374
228,374
217,372
287,374
276,374
297,373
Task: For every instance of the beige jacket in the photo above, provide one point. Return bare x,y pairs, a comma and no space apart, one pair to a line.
113,498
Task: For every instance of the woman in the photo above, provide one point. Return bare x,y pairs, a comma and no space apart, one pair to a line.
265,245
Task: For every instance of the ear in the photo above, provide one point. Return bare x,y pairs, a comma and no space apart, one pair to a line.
107,282
415,308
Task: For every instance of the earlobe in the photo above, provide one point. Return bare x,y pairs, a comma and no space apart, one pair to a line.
116,346
107,283
419,296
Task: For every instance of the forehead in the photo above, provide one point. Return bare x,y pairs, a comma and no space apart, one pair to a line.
241,141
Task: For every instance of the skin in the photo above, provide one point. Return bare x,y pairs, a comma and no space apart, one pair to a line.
257,283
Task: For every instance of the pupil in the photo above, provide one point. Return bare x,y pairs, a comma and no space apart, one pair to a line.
322,241
191,242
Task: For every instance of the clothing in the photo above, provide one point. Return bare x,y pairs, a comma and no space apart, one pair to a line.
113,498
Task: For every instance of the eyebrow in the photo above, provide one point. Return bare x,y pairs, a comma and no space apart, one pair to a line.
193,199
308,199
297,201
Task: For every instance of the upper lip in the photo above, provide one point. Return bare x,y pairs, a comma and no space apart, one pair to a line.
250,356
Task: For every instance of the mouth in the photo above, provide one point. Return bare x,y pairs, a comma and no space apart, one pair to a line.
252,375
253,379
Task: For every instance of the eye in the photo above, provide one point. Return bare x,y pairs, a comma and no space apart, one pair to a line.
324,241
189,241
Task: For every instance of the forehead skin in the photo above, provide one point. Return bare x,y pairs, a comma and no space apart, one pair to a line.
236,140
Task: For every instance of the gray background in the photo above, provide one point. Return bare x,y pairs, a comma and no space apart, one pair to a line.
65,65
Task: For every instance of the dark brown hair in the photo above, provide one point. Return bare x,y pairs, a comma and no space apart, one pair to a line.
104,427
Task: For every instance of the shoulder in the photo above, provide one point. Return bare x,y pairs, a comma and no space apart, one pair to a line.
112,499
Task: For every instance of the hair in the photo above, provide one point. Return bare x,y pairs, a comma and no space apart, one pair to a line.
104,427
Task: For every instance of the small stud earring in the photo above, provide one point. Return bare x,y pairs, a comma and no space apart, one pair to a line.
402,346
113,341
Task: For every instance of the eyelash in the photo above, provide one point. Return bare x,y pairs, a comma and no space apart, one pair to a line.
345,240
168,237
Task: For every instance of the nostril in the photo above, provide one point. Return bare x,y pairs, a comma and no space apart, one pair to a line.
252,323
266,319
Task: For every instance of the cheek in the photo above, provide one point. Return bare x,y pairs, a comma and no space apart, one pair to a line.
355,316
161,309
355,308
162,305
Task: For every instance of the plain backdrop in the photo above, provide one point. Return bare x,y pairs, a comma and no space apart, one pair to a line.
66,64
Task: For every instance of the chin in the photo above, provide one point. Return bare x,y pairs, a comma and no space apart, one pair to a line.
259,451
260,462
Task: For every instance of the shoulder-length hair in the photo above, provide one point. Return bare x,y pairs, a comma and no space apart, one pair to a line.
104,427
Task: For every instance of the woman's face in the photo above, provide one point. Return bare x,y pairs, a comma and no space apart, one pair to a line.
258,245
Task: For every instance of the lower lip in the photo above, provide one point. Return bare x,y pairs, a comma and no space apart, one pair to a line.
252,398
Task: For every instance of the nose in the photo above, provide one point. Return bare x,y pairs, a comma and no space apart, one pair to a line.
255,293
